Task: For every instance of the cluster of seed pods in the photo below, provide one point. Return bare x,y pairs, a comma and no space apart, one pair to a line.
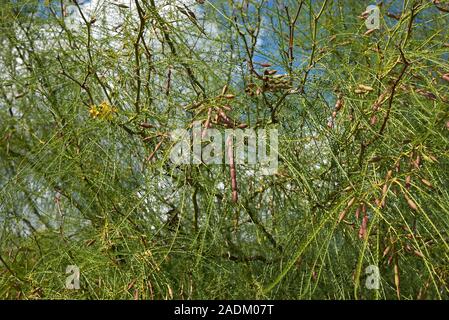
338,105
270,82
217,115
389,183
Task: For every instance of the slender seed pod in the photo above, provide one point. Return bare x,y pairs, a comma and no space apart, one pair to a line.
397,278
389,174
408,180
351,202
229,143
342,215
357,212
369,32
265,65
365,88
411,203
387,249
207,123
363,227
384,189
427,183
445,77
224,90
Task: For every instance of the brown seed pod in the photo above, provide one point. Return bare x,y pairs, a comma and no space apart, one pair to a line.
229,96
396,278
224,90
369,32
445,77
270,72
351,202
338,105
410,203
373,120
427,183
357,213
365,88
394,16
417,162
146,125
389,174
387,249
408,180
384,189
364,15
363,228
265,65
378,202
342,215
418,253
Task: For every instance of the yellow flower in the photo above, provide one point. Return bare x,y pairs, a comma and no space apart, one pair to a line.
94,111
103,111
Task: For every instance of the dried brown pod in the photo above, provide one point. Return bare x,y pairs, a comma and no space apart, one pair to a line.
230,145
387,249
384,189
417,161
445,77
426,94
351,202
229,96
265,65
410,203
408,180
365,87
397,279
146,125
363,228
418,253
427,183
369,32
389,174
338,105
270,72
224,90
364,15
357,212
342,215
373,120
394,16
378,202
334,114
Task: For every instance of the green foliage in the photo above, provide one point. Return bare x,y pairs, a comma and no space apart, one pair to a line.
363,123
